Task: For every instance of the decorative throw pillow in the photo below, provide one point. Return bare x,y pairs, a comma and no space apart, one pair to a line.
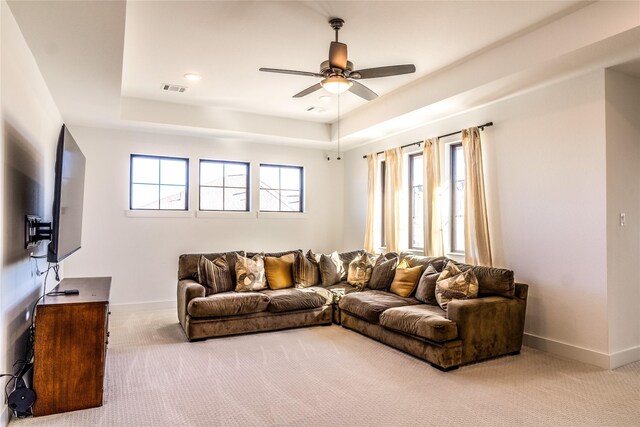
455,284
331,269
426,290
360,270
403,263
382,275
214,275
346,258
405,281
306,271
279,271
250,273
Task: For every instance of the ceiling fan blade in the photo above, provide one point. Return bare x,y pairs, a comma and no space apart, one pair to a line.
391,70
308,90
294,72
362,91
338,55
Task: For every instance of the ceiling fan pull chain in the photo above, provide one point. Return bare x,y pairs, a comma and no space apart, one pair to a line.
338,126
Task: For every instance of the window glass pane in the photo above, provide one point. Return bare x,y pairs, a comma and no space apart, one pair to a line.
145,170
211,173
211,198
417,217
269,177
235,175
290,178
173,172
290,201
269,200
172,197
144,196
235,199
457,208
417,178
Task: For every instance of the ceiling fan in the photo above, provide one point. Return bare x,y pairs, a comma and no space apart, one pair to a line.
338,75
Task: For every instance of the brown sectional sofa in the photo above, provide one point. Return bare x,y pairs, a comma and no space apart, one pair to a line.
469,331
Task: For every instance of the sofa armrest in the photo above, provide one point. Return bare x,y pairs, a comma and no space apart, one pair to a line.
187,290
488,326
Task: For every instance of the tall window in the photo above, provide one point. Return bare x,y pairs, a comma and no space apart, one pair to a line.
224,186
416,201
457,198
158,183
383,241
281,188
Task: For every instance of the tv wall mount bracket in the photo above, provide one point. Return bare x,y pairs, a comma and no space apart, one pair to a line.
35,231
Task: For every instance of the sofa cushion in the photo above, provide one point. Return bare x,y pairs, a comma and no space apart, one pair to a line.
426,289
359,271
215,275
188,264
331,269
424,321
382,275
228,304
492,280
454,284
250,274
369,305
279,271
306,271
346,258
405,280
292,299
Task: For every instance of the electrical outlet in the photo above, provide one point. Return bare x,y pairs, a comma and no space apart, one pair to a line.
623,218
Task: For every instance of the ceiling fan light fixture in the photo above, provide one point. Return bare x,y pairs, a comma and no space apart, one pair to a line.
194,77
336,84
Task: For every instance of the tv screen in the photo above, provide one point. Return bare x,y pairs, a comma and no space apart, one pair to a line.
66,227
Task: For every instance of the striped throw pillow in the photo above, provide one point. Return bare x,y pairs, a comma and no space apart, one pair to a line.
214,275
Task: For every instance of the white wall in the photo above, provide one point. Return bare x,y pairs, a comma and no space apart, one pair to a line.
622,95
30,126
546,189
141,254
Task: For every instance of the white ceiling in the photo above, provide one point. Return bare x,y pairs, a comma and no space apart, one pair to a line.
226,42
104,61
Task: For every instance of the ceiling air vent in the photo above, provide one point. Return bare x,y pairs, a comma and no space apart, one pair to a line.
173,88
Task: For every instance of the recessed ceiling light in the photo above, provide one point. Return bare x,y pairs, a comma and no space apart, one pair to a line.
193,77
325,98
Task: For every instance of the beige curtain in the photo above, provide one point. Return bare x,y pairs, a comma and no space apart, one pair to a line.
477,248
393,188
369,245
433,243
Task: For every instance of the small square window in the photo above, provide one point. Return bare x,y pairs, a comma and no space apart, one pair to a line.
158,183
224,186
281,188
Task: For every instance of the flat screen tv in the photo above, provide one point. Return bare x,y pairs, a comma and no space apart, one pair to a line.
68,195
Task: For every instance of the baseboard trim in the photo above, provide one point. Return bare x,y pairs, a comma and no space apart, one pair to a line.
141,306
568,351
624,357
4,416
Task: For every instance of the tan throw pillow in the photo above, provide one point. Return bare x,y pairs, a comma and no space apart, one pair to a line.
360,271
454,284
405,281
214,275
306,271
250,274
331,269
279,271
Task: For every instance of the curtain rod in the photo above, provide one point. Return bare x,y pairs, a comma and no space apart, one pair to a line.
481,127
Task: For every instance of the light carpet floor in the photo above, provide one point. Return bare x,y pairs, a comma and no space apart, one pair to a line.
328,375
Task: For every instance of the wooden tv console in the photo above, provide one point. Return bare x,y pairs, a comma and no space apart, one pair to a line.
71,337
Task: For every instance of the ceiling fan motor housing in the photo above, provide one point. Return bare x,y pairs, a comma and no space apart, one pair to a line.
327,71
